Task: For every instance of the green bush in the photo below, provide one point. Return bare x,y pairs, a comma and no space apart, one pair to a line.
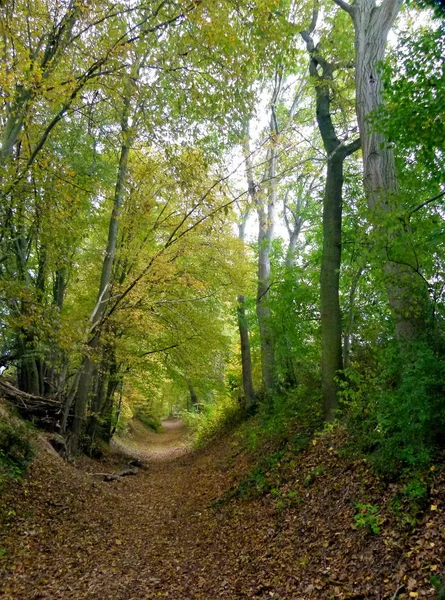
395,410
148,420
290,416
368,518
411,501
213,418
16,451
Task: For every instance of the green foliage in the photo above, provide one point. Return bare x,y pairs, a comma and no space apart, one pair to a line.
254,485
294,306
288,417
149,420
368,518
213,418
415,90
439,586
285,500
395,409
408,504
264,478
16,451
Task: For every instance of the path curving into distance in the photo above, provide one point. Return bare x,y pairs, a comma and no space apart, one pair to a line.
172,442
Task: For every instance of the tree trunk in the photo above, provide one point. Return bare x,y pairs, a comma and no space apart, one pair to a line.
86,369
331,349
246,358
291,248
350,320
266,220
407,294
246,361
265,235
331,322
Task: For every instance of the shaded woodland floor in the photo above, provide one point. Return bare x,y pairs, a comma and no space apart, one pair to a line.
168,533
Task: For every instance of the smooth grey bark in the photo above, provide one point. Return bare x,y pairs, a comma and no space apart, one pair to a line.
293,217
266,216
407,294
337,152
293,221
265,202
246,358
264,198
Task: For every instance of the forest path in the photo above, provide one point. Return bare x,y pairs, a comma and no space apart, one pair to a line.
160,533
154,535
170,443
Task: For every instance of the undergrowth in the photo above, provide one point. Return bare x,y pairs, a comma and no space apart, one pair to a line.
394,409
149,420
16,450
289,418
212,419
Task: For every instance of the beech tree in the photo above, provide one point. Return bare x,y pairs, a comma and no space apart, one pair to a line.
372,23
322,72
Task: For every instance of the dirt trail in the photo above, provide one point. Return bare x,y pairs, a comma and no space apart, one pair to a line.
172,442
149,536
160,535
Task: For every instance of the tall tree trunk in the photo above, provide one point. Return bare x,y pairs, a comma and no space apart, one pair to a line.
108,416
372,23
293,220
350,319
337,151
246,358
331,326
266,218
266,215
291,248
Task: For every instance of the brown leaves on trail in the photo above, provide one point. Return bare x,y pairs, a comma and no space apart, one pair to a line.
213,525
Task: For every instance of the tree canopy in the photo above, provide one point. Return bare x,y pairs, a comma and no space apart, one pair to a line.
142,143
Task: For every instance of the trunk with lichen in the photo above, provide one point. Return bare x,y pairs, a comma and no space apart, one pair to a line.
406,290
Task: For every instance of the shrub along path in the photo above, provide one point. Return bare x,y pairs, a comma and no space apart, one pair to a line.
287,532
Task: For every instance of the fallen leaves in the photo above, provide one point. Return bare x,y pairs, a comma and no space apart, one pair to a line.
158,535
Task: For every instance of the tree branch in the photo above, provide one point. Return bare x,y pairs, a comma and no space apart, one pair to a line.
159,350
429,201
345,6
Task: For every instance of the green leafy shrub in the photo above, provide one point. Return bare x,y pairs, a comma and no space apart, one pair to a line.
439,586
285,500
313,476
368,518
395,411
213,418
409,504
16,451
290,416
148,419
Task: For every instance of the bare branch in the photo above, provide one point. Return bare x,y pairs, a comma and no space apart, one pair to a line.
429,201
345,6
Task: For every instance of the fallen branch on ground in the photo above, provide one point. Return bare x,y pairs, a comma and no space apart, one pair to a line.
115,476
